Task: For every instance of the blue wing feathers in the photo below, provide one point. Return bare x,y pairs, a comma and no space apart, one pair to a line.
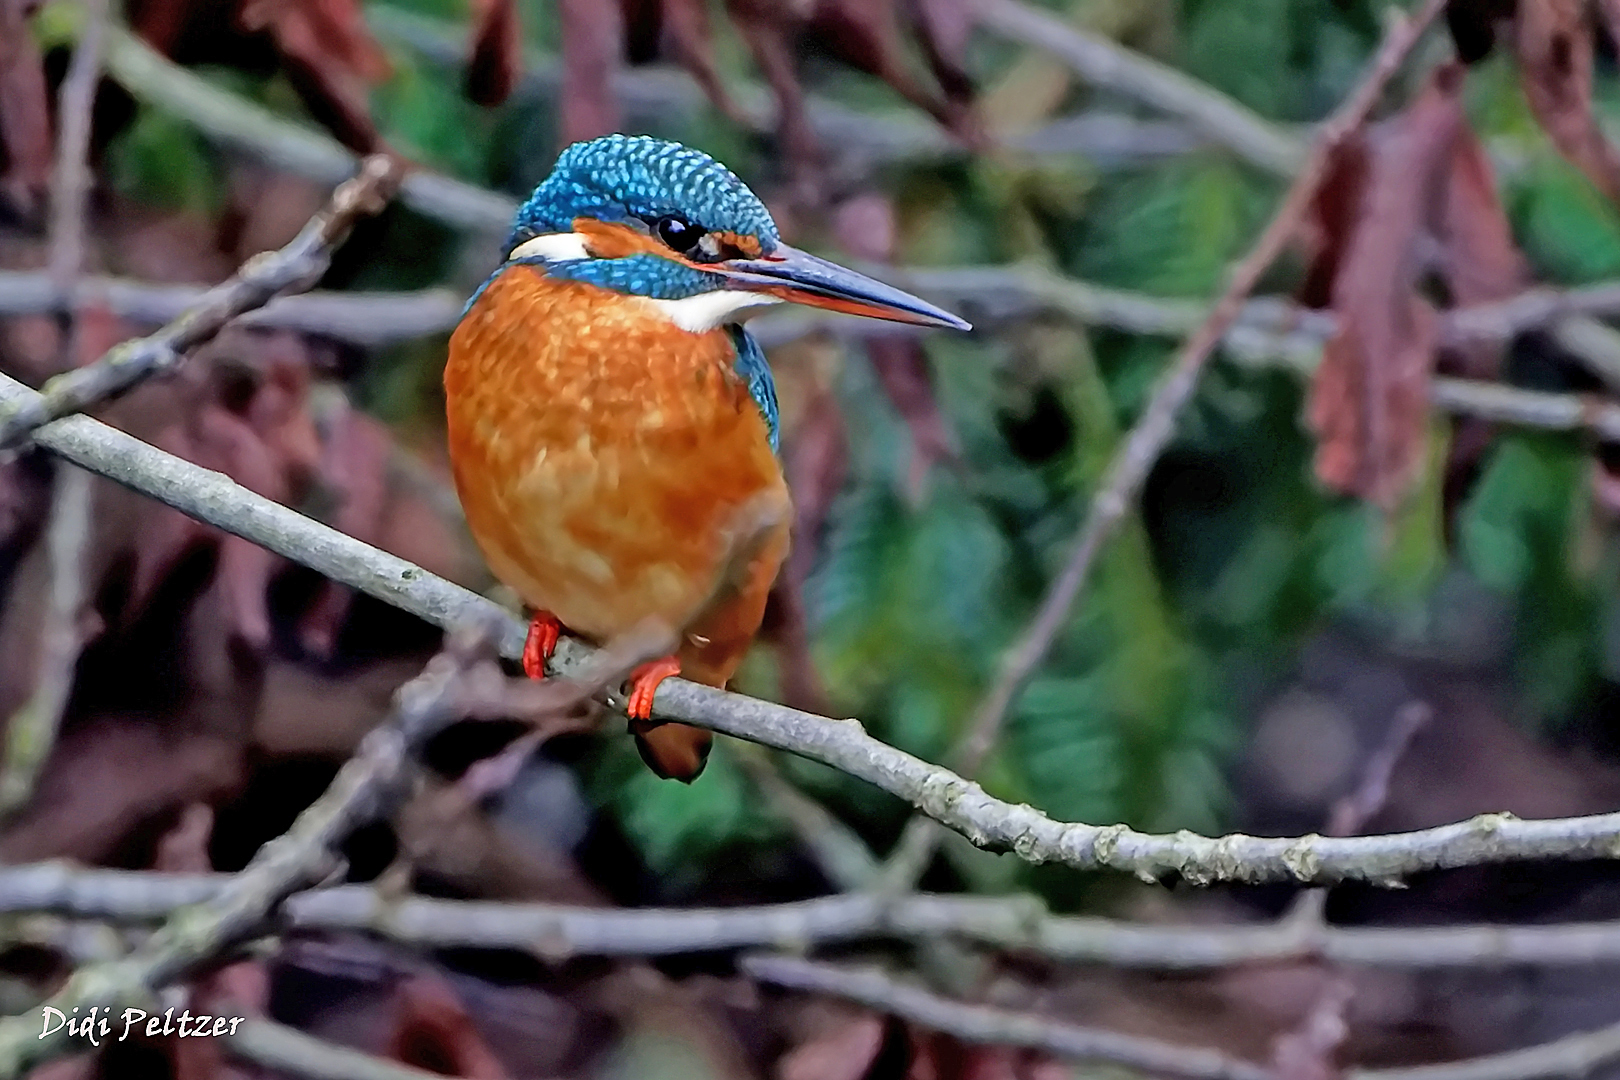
752,365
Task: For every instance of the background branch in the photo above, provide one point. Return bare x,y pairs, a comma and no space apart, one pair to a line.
367,787
979,1023
1126,473
1107,64
299,264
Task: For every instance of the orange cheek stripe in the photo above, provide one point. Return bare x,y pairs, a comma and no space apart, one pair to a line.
748,245
611,240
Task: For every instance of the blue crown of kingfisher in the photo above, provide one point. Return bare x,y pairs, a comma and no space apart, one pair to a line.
656,219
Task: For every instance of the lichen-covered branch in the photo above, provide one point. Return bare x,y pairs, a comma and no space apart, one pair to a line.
1019,923
843,744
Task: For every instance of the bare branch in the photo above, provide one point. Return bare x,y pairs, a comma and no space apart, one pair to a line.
31,730
1153,431
842,855
237,122
368,786
71,184
299,264
1569,1058
1111,66
1018,923
980,1023
843,744
358,318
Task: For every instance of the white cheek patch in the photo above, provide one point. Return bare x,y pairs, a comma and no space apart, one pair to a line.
705,311
552,247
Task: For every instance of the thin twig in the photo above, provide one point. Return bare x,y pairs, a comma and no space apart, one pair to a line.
297,265
1111,66
1351,813
842,744
70,186
983,1024
360,318
31,730
368,786
649,95
1116,492
840,852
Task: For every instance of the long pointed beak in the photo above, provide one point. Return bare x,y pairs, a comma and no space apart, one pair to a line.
803,278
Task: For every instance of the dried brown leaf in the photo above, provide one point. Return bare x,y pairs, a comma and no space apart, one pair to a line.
1369,402
496,60
1553,39
25,120
433,1031
844,1051
593,50
1479,259
331,58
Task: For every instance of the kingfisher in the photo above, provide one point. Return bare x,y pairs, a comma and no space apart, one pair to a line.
613,429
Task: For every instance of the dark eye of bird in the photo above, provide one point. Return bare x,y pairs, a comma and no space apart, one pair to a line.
678,233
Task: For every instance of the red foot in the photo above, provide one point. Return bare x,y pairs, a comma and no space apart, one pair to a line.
644,684
540,644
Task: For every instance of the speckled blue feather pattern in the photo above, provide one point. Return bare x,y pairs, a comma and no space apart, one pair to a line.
623,177
617,177
751,365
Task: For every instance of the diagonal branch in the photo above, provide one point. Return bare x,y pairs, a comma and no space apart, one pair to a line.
298,265
843,744
1125,475
368,786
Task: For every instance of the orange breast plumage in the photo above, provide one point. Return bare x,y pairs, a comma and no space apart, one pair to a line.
609,462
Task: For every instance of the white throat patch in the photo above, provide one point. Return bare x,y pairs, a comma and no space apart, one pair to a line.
705,311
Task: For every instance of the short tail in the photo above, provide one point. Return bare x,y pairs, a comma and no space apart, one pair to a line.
673,751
